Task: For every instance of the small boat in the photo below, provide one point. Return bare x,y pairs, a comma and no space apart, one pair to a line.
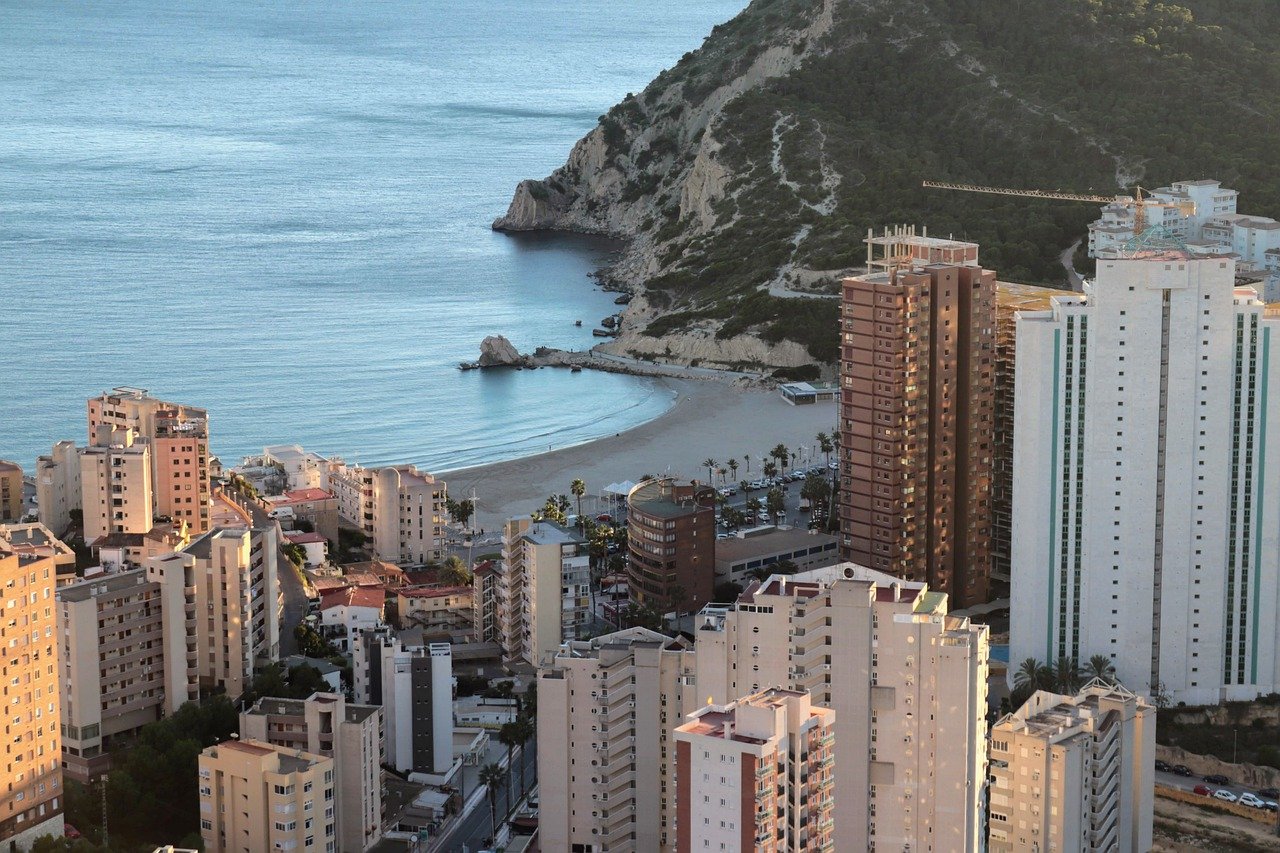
577,323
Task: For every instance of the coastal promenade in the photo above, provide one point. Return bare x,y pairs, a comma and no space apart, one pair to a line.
709,420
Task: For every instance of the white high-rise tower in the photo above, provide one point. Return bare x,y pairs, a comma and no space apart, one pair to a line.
1143,525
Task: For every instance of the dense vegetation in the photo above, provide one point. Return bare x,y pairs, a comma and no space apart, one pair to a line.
1055,94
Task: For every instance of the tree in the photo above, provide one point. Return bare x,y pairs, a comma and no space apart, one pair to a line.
509,737
710,464
727,591
754,506
524,732
1100,666
466,509
454,572
1066,675
1034,675
776,502
745,486
678,595
817,489
295,553
782,454
733,468
723,472
578,488
642,616
492,776
770,469
826,445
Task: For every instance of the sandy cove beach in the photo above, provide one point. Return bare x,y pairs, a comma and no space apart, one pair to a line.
709,419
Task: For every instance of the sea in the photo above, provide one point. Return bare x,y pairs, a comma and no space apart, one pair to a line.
280,211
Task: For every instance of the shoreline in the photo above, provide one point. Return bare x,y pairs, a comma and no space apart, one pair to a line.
708,419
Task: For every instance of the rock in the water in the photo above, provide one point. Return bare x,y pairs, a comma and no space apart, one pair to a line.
497,351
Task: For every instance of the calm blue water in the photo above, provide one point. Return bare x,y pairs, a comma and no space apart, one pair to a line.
280,211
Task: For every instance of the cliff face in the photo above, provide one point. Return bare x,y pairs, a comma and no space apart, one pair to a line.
746,176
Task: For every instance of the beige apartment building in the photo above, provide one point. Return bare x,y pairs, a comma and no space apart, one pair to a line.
115,483
906,680
549,580
179,439
1074,773
400,509
607,710
113,667
256,797
238,604
10,491
756,775
34,541
326,724
58,486
179,597
31,797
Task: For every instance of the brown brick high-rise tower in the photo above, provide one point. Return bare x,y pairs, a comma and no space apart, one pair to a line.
917,414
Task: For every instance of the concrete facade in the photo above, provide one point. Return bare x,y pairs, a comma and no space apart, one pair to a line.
115,484
58,486
671,544
548,581
414,686
400,509
10,492
1142,525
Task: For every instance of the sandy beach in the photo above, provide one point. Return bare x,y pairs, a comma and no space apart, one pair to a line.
709,419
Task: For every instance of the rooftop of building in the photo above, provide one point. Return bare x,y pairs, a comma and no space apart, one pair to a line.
277,707
102,584
742,548
377,569
320,665
664,498
628,638
354,596
1055,716
485,567
299,496
721,721
433,591
6,466
302,538
202,546
289,451
551,533
33,541
285,761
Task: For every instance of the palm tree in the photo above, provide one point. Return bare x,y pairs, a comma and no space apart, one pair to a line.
1066,675
454,572
1100,666
745,486
491,776
755,506
722,472
578,488
711,464
770,469
782,454
826,445
524,731
1032,675
733,468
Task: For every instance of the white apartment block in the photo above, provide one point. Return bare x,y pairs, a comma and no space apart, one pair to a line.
175,577
302,469
257,797
906,680
326,724
1142,527
58,486
1074,773
115,484
756,775
238,604
400,509
548,579
414,686
607,710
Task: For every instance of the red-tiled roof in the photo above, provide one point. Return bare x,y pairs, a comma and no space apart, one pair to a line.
434,592
298,496
363,579
354,596
304,538
323,585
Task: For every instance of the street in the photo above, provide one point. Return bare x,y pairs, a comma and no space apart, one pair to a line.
472,832
1188,783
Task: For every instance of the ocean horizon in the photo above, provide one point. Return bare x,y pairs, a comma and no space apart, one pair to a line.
281,213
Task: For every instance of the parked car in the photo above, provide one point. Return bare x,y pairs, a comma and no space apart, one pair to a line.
1217,779
1202,790
1182,770
1271,805
1163,766
1224,795
1269,793
1252,801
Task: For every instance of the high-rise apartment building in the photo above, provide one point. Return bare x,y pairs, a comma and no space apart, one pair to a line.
181,608
1142,525
607,709
179,439
400,509
326,724
916,416
1074,773
256,797
35,542
58,486
756,775
115,483
31,797
114,666
671,544
10,491
906,680
548,578
238,604
414,686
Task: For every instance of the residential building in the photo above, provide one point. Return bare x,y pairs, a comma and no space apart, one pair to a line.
113,667
35,542
550,572
607,710
302,469
179,440
414,686
1141,525
10,492
314,546
317,507
58,486
907,682
325,724
916,415
238,604
182,606
400,509
115,484
435,608
1074,773
31,797
739,557
346,611
130,550
256,797
671,544
1010,299
756,775
485,620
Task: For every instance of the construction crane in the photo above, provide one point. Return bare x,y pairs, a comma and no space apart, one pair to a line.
1137,201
